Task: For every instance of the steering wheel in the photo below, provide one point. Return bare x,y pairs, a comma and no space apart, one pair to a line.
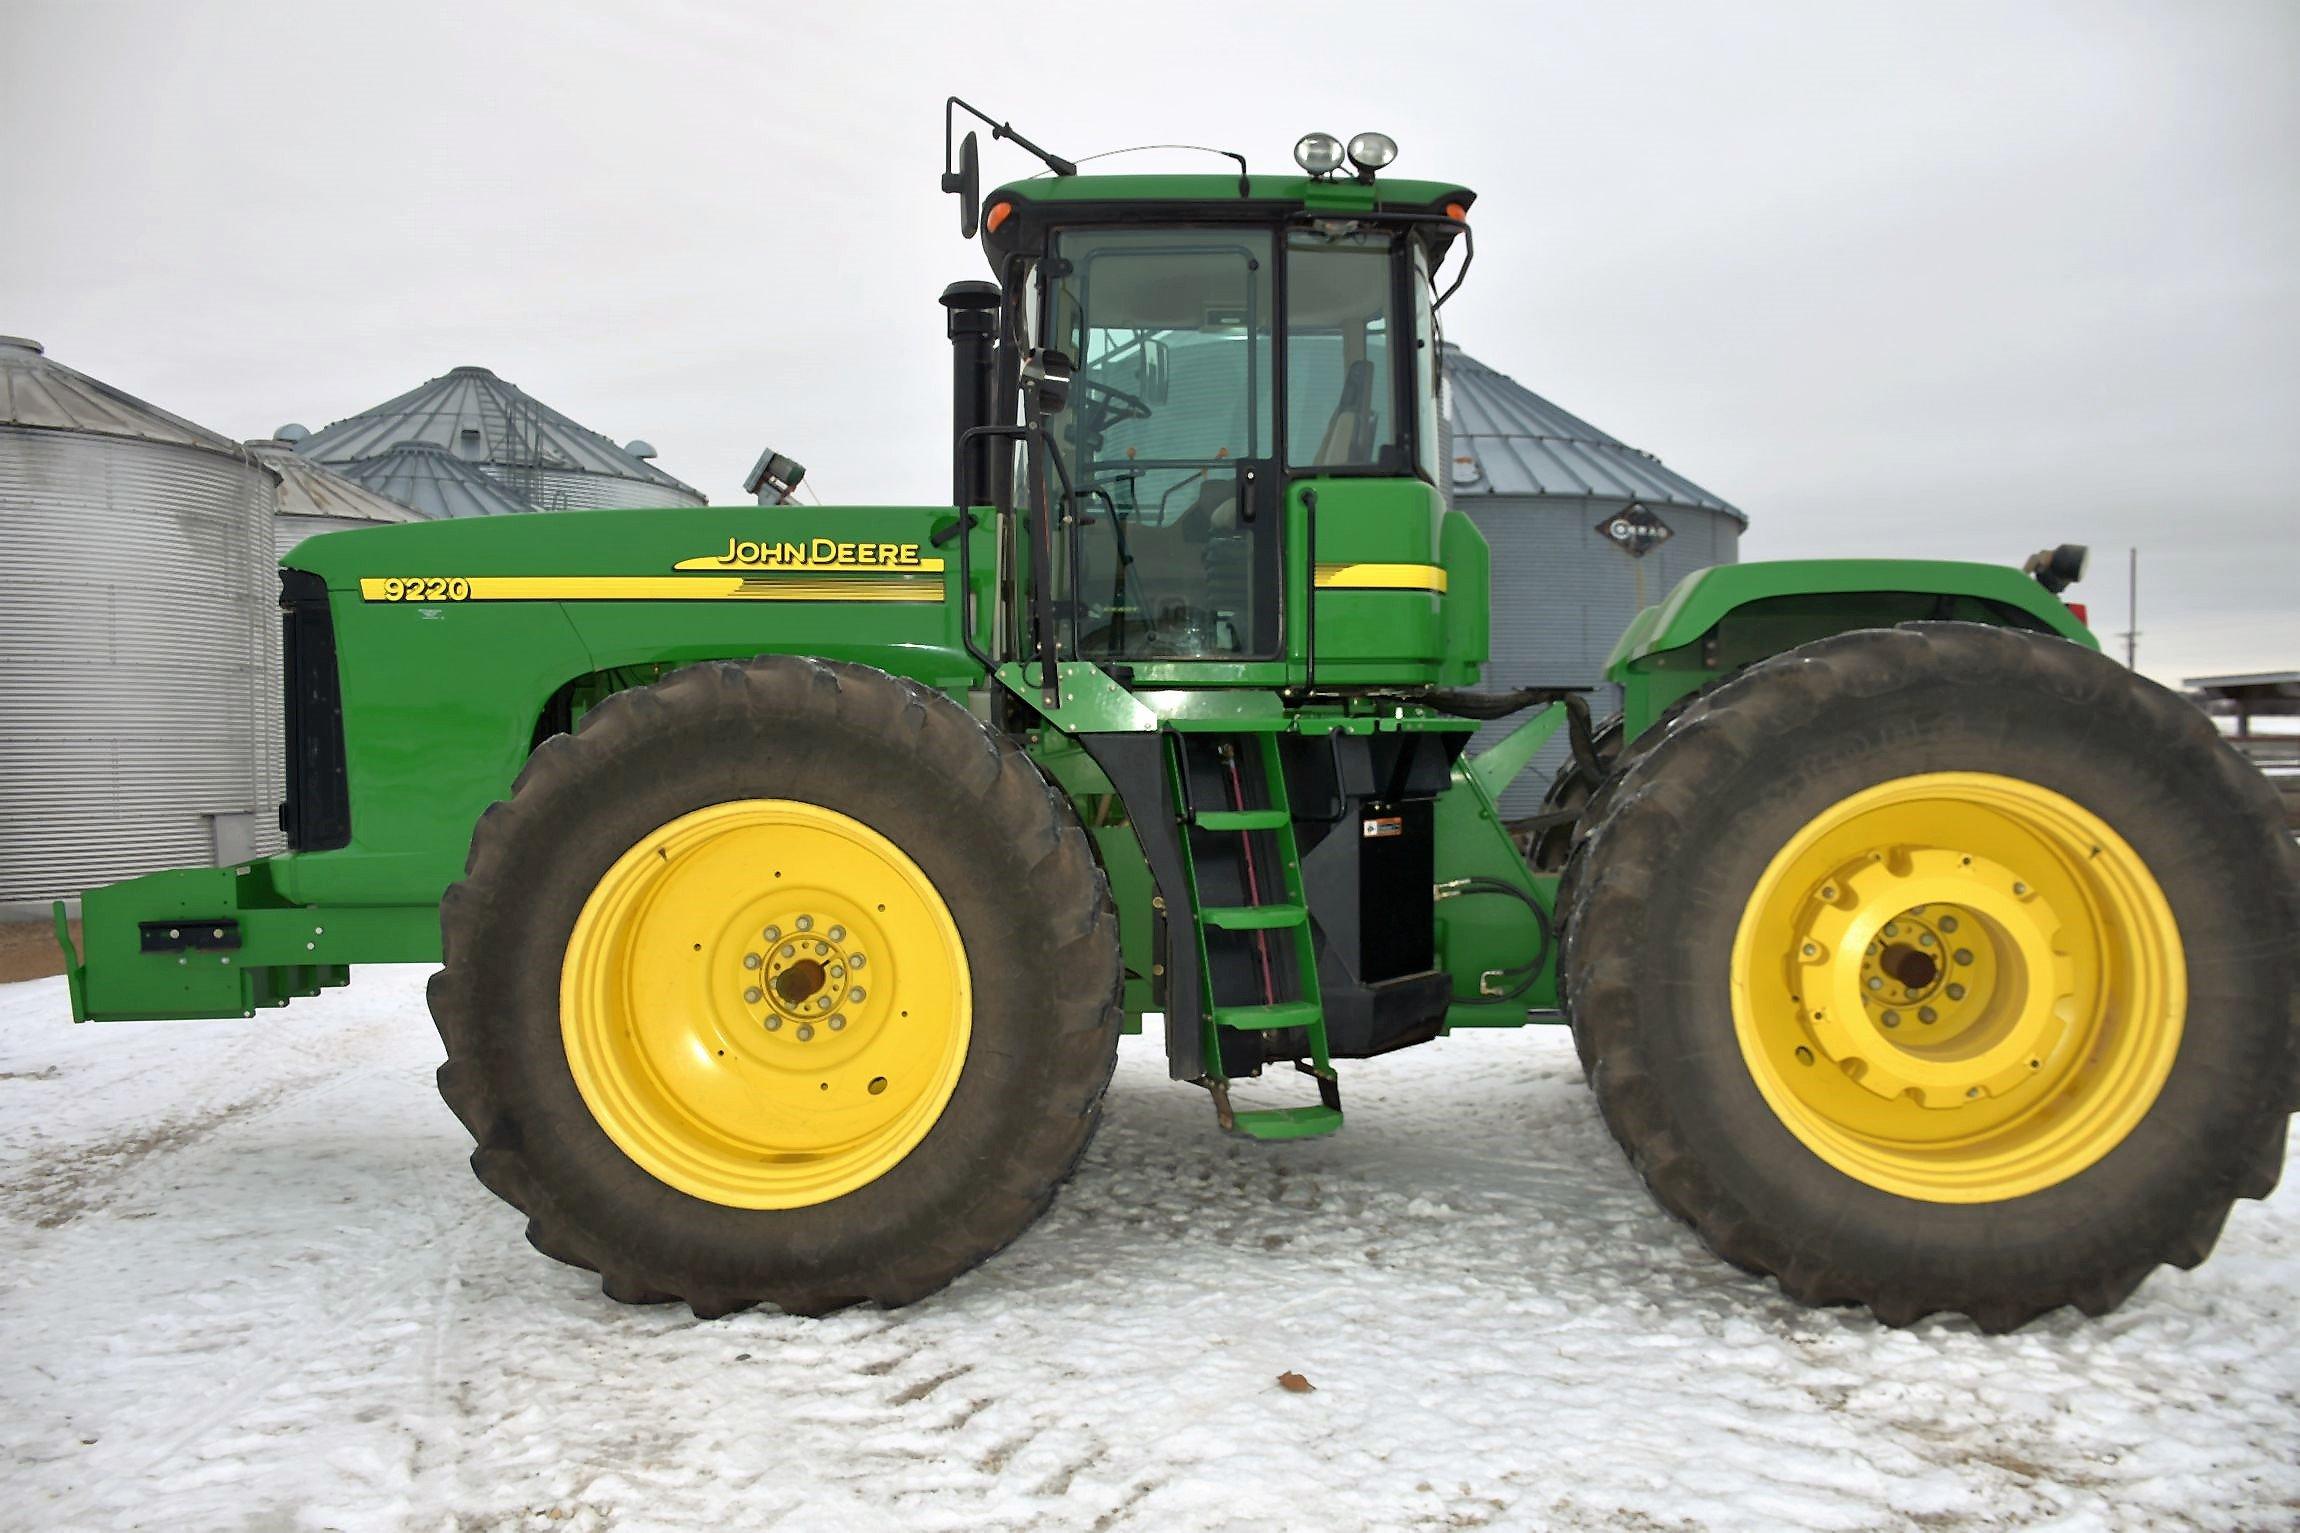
1117,405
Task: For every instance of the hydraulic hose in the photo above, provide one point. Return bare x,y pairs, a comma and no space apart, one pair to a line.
1500,705
1523,974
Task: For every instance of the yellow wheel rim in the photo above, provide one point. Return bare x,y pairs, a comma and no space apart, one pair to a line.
765,1004
1958,987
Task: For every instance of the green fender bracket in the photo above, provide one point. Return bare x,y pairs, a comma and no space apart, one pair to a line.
1497,767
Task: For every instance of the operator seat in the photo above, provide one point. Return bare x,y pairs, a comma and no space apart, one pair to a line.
1345,438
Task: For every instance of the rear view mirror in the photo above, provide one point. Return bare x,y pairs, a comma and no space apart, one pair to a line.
1046,380
966,181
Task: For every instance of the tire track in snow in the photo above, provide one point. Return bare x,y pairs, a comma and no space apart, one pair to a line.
328,1318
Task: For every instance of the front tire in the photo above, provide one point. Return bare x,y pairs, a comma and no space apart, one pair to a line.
782,981
1942,968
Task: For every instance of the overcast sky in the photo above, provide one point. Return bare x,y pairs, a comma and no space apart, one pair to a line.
1918,279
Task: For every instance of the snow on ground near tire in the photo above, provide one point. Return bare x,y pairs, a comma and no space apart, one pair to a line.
252,1285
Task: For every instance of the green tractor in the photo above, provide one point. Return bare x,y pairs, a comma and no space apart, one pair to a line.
793,872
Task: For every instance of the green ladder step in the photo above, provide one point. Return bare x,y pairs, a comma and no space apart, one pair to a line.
1241,819
1252,918
1288,1122
1270,1018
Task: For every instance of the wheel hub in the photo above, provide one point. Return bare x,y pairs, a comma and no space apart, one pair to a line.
805,974
1888,939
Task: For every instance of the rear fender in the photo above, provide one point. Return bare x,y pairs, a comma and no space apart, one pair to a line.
1718,620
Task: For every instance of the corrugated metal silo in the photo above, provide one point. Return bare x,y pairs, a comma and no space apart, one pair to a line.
1544,486
431,480
139,641
535,454
314,498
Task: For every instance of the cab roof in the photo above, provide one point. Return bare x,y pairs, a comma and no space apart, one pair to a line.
1043,199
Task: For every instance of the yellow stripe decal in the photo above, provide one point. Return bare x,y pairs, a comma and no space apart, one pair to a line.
442,590
1381,577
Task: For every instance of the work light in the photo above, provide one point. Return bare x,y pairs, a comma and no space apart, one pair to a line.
2056,569
1318,153
1371,151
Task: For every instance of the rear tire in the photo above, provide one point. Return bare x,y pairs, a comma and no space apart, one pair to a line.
1857,1152
653,1110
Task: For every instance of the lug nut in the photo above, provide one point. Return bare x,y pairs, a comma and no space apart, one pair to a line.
1811,951
1948,923
837,972
1876,983
2020,891
837,934
821,948
774,1024
855,995
855,962
753,996
790,951
773,934
750,960
1927,1014
838,1021
824,1004
1964,955
1956,992
1892,928
805,923
1891,1019
1924,939
806,1033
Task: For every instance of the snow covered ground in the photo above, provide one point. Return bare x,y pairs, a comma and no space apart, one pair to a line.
251,1285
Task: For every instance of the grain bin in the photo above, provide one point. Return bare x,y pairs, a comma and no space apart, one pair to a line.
314,498
538,456
1584,529
139,638
429,479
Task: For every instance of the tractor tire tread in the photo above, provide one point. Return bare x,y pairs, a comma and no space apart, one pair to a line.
1657,801
985,779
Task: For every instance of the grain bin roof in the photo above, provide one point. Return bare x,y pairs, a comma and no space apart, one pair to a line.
39,392
1508,440
314,489
428,478
482,419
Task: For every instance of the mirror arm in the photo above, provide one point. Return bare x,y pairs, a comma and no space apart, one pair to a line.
998,130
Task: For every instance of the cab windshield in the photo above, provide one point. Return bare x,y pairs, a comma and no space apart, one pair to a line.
1171,432
1170,403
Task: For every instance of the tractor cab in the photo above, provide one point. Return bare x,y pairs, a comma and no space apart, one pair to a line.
1214,396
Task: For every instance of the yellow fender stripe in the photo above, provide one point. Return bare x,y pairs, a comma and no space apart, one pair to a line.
431,589
1382,577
